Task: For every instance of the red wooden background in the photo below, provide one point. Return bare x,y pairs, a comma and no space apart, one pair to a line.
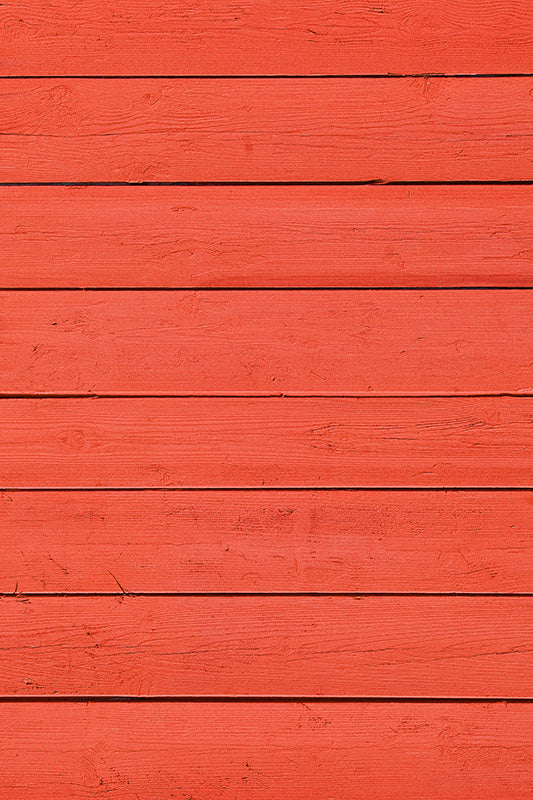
266,400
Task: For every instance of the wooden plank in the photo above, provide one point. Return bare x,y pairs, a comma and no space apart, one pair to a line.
253,37
267,342
361,751
437,129
265,236
292,442
363,646
275,541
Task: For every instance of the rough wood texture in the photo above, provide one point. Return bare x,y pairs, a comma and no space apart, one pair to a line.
265,342
412,129
265,236
255,751
282,541
268,646
212,442
251,521
136,37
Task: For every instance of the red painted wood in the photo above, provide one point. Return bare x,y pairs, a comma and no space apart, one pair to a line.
212,442
137,37
276,541
269,646
413,129
240,342
69,130
243,751
265,236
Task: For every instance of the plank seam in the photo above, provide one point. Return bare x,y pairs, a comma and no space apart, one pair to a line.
277,76
16,595
373,182
266,488
265,288
279,395
294,699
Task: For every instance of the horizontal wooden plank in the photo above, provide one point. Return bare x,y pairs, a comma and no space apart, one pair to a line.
211,442
134,37
275,541
360,646
265,342
257,751
265,236
412,129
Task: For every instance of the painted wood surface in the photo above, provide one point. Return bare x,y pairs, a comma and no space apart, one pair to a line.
266,541
340,129
283,442
267,342
238,751
265,236
136,37
268,646
408,591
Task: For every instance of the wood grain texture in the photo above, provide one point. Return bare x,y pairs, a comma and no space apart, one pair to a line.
412,129
265,342
134,37
276,541
293,442
238,751
386,646
265,236
175,639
